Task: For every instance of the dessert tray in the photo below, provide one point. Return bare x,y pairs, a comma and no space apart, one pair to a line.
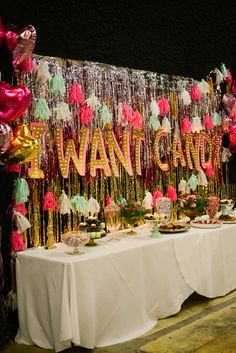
206,224
227,219
173,228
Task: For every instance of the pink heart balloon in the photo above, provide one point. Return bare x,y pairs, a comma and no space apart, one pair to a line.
14,101
229,104
10,38
6,136
21,42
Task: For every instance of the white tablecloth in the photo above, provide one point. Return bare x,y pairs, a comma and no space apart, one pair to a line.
118,290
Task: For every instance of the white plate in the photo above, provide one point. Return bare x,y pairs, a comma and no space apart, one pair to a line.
229,222
208,226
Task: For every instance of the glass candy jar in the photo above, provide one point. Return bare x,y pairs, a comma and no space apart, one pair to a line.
112,218
76,240
163,206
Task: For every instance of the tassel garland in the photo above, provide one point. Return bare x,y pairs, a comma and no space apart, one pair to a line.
17,243
21,191
137,120
105,115
57,85
64,203
41,109
21,221
62,112
75,94
49,202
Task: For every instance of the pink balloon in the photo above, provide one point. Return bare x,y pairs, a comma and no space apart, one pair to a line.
21,42
25,45
1,30
229,104
6,136
14,101
10,39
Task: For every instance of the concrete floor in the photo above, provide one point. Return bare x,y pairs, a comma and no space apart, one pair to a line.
202,326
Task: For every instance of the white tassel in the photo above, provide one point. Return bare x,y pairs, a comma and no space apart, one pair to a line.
154,123
22,222
154,107
202,179
93,102
42,74
196,124
166,125
185,97
203,87
62,112
64,203
94,206
177,131
147,201
226,154
219,77
11,301
182,186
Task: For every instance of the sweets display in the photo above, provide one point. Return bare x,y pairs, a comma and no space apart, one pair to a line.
173,228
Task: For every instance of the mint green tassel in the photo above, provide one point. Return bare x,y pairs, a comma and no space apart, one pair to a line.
105,115
79,204
223,70
41,109
21,191
216,119
154,123
57,85
192,181
122,201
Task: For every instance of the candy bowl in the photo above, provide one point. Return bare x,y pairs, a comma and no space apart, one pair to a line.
75,239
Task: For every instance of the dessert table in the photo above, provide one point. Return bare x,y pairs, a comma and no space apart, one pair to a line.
118,290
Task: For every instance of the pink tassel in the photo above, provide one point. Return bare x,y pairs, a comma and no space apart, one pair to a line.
13,168
229,78
127,113
195,93
28,65
137,120
157,194
163,106
86,114
17,243
75,94
171,193
209,170
49,202
108,200
208,123
185,125
20,207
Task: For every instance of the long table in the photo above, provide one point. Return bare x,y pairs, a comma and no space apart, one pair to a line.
118,290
